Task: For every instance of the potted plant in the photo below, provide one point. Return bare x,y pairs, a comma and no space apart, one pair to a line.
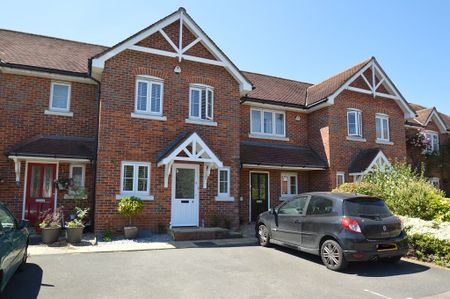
63,184
74,227
50,224
130,206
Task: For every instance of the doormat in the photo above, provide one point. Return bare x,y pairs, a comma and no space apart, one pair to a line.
205,244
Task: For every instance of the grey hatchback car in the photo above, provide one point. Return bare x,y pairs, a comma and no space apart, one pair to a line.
339,227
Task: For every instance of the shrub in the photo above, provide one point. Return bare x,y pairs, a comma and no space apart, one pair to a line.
426,247
130,206
405,191
50,219
107,236
81,214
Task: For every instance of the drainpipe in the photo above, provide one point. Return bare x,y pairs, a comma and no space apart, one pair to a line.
94,172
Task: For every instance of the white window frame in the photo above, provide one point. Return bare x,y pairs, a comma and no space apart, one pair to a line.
142,194
200,88
262,133
435,181
340,174
224,196
382,117
358,118
289,175
430,135
69,90
83,172
150,81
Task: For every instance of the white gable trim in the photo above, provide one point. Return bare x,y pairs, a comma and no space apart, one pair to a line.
98,63
376,68
439,122
200,152
379,159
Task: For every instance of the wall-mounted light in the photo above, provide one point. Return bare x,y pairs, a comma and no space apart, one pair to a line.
297,118
177,69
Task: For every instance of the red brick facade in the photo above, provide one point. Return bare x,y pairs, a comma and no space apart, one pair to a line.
121,136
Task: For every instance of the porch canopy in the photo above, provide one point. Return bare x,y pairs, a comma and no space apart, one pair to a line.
366,161
52,148
280,156
188,147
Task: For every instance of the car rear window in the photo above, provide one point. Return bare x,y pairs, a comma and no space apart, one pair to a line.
366,207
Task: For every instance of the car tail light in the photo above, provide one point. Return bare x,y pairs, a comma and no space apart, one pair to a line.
350,224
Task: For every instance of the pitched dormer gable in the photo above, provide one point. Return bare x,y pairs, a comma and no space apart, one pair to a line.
177,36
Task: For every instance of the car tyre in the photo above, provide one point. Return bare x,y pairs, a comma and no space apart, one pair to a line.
263,235
391,260
332,255
24,259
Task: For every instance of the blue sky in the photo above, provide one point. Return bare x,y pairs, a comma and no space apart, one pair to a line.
303,40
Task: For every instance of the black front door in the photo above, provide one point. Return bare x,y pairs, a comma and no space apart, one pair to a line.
259,188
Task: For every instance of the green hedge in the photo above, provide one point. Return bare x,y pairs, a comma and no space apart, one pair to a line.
425,247
405,191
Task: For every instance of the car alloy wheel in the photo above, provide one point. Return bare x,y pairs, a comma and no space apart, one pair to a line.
263,235
332,255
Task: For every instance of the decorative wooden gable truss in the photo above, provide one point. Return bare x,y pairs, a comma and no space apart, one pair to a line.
177,36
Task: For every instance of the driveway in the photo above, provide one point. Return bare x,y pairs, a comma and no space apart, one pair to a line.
218,272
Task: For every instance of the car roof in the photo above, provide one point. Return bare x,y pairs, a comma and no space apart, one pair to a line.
335,195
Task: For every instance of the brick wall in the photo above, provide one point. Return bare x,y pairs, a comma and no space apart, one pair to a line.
122,138
23,100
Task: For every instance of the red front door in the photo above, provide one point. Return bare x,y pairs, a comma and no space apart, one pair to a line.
40,190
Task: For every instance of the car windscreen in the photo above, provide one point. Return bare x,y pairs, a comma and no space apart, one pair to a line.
366,207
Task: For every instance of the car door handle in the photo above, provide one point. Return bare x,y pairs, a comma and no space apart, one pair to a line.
297,221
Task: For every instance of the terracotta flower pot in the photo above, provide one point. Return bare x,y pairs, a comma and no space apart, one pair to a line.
74,235
50,235
130,232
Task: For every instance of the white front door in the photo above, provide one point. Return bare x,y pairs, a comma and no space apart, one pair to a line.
185,195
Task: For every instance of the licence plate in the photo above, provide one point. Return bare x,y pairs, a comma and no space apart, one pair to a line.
387,247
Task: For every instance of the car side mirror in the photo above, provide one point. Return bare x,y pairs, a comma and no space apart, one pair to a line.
24,223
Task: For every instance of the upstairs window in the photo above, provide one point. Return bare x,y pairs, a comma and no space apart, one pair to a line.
266,122
201,102
354,123
60,97
149,96
433,142
382,127
288,184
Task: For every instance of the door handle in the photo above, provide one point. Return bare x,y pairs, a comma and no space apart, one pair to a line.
297,221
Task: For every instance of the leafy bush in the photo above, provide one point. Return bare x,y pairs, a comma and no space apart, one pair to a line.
405,191
50,219
428,248
130,206
81,214
107,236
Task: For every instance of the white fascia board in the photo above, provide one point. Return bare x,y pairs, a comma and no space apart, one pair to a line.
440,123
99,62
42,74
274,107
259,166
45,159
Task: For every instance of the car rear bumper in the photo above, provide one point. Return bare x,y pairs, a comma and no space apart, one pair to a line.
362,249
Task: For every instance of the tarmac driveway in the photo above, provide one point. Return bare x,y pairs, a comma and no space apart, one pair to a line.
218,272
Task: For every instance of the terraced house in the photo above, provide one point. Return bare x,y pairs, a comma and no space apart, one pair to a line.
166,116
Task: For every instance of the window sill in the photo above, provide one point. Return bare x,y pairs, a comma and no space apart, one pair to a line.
143,197
224,198
359,139
68,196
148,116
58,113
261,136
387,142
201,122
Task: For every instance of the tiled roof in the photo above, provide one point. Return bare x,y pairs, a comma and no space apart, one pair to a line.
423,113
55,147
18,48
172,146
269,154
277,89
321,90
363,160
